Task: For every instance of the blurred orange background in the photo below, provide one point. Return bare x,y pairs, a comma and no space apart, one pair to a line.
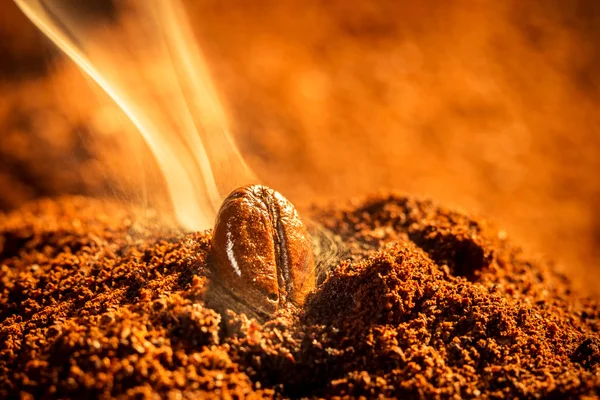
490,107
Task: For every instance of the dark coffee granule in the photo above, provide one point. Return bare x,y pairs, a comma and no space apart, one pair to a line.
99,301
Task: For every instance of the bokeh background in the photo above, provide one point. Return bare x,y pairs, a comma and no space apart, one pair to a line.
490,107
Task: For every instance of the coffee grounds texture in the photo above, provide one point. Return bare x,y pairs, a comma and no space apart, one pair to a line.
98,300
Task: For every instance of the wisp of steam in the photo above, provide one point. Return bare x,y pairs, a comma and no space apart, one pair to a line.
147,60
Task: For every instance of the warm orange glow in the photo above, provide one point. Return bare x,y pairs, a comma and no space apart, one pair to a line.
149,64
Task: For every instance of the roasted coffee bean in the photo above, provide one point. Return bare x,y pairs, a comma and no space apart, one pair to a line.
261,251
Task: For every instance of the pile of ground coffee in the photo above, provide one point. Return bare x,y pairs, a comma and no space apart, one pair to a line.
98,301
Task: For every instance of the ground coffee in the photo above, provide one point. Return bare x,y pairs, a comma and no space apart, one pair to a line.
96,301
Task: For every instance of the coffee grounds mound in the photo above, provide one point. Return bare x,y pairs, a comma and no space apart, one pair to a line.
98,300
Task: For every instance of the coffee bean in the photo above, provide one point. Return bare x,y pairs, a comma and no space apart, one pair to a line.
261,252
